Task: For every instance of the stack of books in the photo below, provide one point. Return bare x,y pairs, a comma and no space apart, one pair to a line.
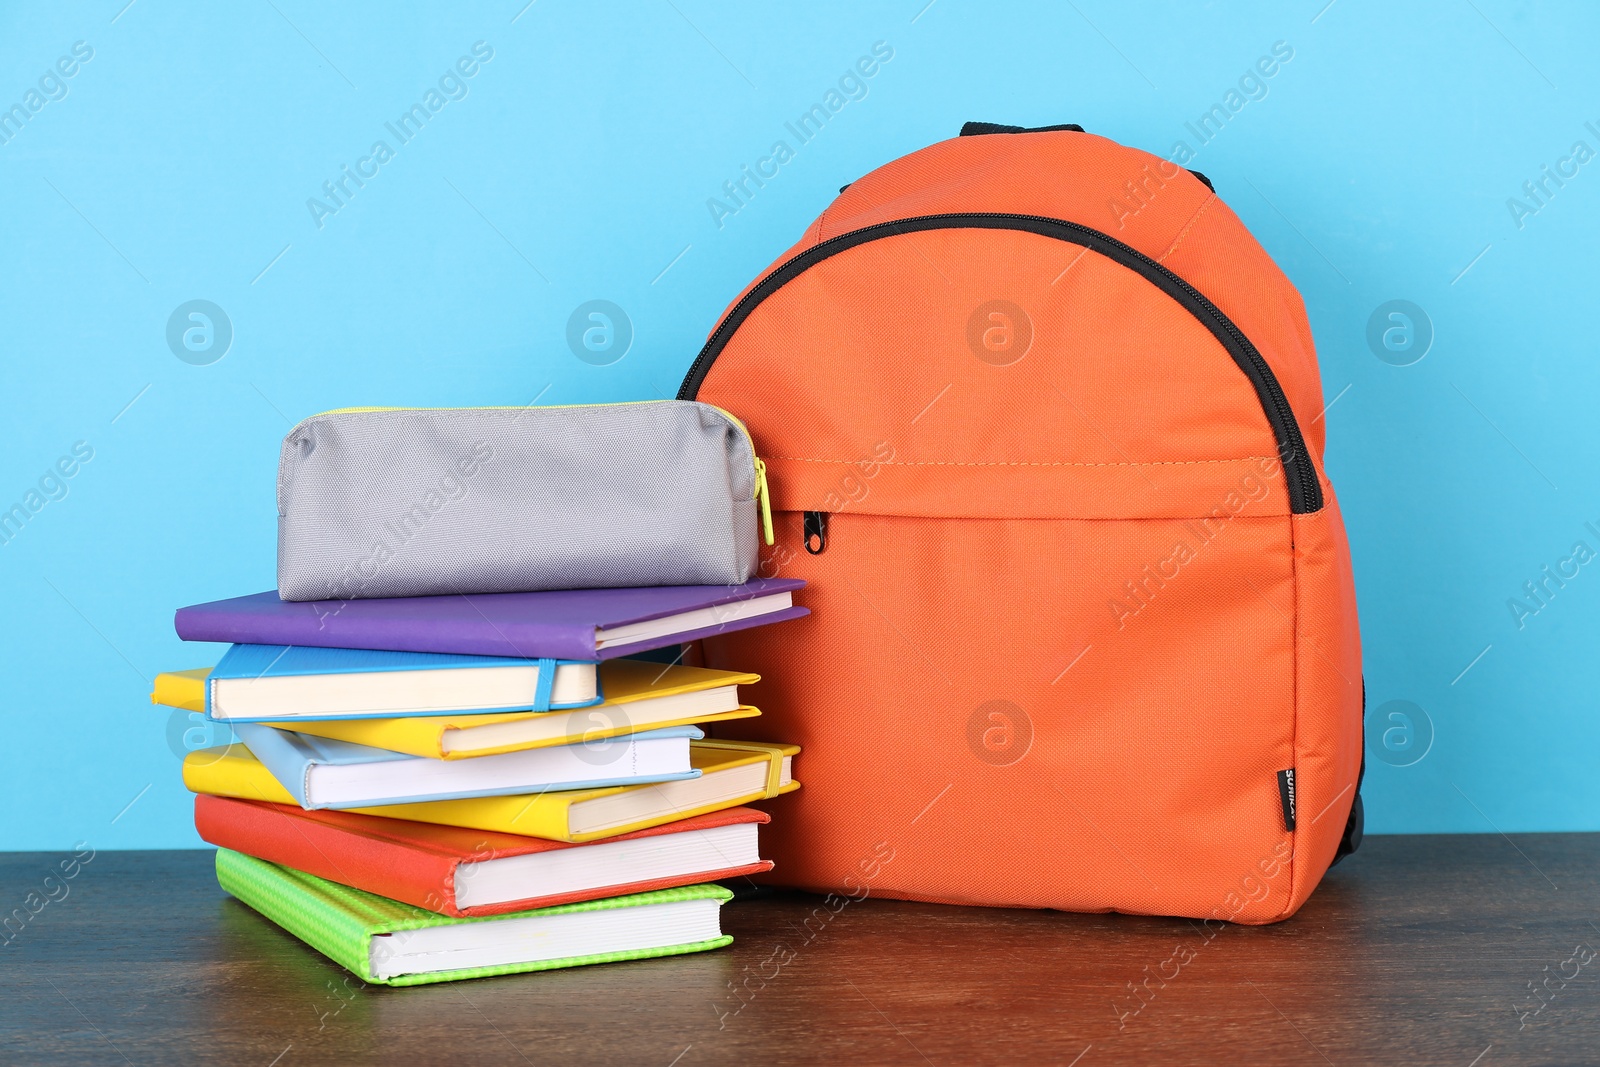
432,788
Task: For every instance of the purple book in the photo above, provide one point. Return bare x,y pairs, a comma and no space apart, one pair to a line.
574,624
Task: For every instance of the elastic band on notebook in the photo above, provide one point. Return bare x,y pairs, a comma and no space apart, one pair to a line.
546,682
774,773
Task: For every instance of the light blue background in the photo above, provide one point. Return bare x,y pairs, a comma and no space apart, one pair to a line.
578,167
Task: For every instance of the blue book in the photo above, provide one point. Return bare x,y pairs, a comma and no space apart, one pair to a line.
320,772
272,683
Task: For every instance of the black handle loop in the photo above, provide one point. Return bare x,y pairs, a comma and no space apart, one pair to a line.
972,129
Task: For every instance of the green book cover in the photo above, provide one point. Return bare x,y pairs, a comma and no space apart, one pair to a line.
340,922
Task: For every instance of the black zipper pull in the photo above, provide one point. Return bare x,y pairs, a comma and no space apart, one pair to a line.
816,531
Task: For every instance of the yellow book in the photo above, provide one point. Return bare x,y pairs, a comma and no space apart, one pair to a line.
181,689
639,696
732,773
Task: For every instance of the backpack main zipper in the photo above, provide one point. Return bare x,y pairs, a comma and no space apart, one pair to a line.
1305,491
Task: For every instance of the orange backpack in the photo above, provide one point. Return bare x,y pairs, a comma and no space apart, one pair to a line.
1044,435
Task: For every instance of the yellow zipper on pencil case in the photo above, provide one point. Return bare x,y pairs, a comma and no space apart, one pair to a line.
762,494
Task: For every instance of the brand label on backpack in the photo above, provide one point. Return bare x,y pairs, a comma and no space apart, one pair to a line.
1286,795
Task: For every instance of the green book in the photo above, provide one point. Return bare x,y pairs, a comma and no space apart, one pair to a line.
384,941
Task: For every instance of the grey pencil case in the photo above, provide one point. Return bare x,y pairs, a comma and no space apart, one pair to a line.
385,502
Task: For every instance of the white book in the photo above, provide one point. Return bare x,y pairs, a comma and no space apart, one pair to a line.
323,773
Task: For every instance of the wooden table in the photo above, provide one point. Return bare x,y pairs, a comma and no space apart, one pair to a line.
1419,950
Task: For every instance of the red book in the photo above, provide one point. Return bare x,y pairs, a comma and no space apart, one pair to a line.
458,871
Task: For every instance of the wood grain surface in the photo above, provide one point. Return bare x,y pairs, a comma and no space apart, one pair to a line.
1469,951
